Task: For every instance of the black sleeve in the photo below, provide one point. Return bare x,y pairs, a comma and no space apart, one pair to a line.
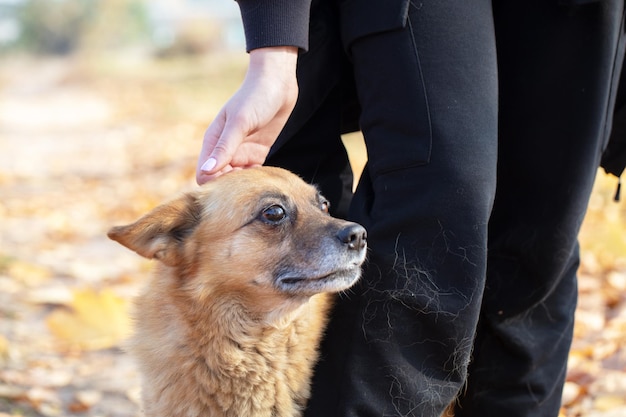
275,23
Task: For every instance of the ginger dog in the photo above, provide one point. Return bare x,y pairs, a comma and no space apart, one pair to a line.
231,321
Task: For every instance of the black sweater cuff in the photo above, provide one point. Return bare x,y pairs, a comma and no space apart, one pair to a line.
275,23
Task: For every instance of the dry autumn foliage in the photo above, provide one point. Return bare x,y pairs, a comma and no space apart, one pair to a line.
86,144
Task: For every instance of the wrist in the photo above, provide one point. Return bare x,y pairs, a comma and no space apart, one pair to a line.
278,59
277,65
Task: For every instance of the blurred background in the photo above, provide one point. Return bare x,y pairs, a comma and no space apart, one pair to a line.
103,105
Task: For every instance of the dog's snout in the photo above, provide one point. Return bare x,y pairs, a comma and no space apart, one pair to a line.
353,235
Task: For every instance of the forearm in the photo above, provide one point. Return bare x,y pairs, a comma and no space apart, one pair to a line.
275,23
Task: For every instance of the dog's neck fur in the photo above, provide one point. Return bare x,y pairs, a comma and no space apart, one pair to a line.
240,360
241,351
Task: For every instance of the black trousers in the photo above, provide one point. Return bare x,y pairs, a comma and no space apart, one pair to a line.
484,125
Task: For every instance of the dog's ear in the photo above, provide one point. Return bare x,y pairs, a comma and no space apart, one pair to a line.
160,234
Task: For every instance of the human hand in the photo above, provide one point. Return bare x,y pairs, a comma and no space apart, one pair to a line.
246,127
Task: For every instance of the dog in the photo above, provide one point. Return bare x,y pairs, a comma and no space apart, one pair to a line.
231,321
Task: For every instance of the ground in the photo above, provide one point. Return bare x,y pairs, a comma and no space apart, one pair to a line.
89,143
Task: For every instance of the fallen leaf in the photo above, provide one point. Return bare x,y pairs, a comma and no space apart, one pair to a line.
58,294
4,350
96,320
12,392
571,392
609,402
84,400
617,279
29,274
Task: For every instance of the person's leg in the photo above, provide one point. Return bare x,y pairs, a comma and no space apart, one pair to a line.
310,144
399,342
557,66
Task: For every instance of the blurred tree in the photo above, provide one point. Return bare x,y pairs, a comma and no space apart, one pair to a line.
61,27
53,27
117,23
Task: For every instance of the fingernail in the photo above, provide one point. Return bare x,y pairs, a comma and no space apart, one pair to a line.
208,165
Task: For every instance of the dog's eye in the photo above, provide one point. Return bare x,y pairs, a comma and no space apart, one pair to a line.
325,206
274,214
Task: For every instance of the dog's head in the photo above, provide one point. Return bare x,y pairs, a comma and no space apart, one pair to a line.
258,232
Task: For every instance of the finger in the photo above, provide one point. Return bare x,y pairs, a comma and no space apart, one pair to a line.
206,166
202,177
222,153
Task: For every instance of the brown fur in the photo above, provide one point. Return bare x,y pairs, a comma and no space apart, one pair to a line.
231,321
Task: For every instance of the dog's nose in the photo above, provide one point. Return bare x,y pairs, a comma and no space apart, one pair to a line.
353,235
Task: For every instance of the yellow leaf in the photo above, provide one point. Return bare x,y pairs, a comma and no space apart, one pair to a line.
96,320
609,402
26,273
4,350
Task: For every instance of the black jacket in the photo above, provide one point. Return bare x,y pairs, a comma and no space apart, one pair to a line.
286,23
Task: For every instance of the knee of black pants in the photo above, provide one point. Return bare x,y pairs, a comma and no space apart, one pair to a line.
429,185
